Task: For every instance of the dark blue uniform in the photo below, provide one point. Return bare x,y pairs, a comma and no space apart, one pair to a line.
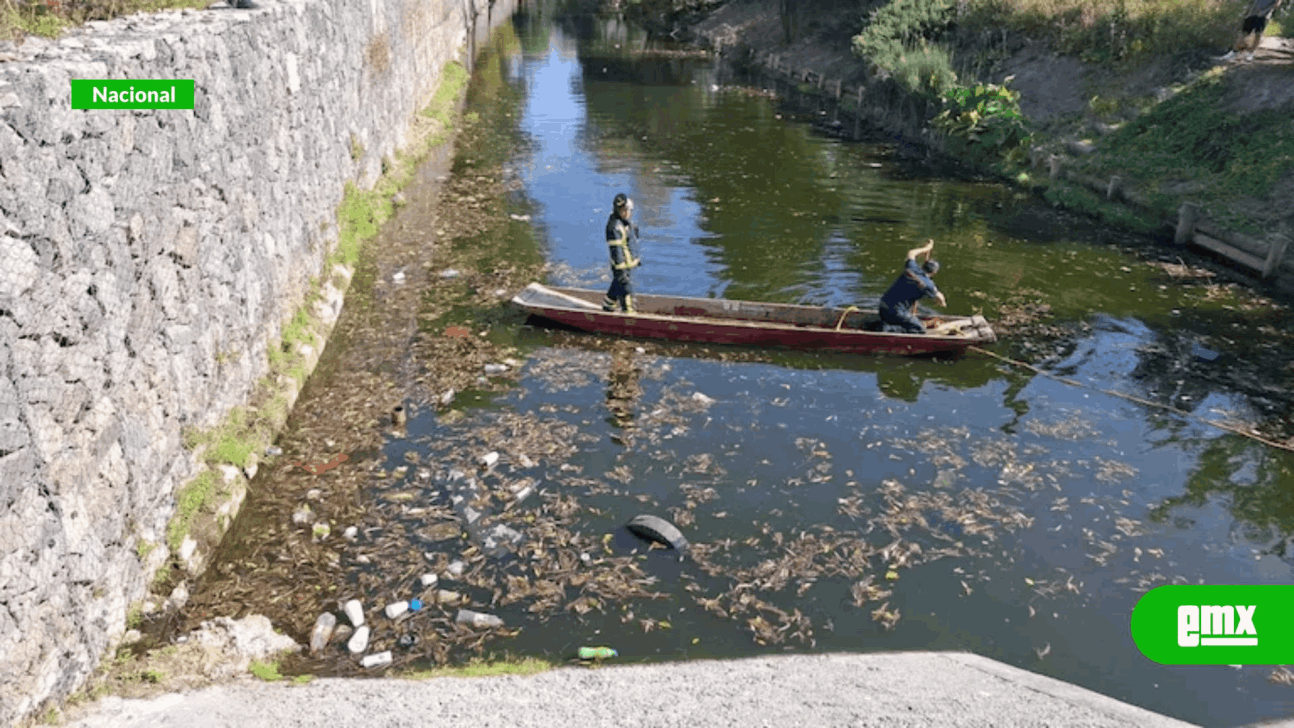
622,243
896,304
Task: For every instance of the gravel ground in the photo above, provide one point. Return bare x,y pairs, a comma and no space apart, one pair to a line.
895,689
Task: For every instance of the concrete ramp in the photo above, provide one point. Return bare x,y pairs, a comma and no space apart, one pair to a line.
945,689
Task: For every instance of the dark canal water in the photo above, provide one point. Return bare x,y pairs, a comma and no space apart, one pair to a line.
1005,513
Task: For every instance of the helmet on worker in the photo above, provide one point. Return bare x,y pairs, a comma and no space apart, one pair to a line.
624,206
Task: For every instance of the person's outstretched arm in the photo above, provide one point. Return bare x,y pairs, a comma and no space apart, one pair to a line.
929,246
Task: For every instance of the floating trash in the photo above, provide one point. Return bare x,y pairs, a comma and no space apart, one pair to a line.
303,515
477,619
323,631
354,612
596,653
654,528
1203,354
358,641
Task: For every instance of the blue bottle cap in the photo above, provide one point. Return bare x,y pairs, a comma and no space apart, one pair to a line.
415,605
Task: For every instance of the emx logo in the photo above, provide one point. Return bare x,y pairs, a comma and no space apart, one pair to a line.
1215,624
1220,623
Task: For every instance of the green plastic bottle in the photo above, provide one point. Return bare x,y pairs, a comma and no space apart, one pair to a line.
597,653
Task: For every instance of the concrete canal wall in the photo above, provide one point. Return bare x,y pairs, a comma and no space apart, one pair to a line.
148,262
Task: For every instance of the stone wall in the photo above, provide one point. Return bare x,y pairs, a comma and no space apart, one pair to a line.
147,260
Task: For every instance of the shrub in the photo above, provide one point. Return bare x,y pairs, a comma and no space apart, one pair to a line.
902,23
985,123
897,37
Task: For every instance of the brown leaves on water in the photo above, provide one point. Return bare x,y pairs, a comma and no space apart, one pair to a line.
1282,675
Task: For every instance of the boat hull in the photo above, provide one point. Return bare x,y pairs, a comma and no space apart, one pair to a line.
743,323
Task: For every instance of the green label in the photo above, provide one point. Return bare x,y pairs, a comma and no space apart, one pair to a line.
102,93
1187,624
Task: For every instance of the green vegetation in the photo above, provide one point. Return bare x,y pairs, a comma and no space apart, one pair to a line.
267,671
1085,201
484,668
143,549
897,37
984,124
1113,30
233,441
194,497
152,676
49,18
1193,136
362,212
453,79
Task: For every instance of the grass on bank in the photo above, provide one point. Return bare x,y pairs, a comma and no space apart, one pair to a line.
49,18
1113,30
362,212
484,668
1194,136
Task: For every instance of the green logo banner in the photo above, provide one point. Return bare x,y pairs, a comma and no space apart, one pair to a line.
1208,624
90,93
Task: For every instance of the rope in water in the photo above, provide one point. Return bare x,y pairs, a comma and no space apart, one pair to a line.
1073,383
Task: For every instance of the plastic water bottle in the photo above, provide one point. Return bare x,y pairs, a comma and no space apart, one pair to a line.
323,630
376,659
477,619
395,609
597,653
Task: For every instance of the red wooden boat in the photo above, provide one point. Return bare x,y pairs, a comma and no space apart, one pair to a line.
747,323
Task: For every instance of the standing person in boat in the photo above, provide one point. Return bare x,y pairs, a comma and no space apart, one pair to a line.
899,304
622,242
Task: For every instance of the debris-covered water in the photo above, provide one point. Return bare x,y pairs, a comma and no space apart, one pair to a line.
831,502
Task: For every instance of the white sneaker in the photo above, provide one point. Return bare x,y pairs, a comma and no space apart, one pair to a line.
1227,56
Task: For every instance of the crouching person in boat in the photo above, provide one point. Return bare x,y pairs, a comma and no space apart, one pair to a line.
898,307
622,239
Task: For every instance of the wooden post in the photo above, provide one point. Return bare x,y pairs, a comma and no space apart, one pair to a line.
1276,254
858,113
1187,215
1054,161
1113,189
